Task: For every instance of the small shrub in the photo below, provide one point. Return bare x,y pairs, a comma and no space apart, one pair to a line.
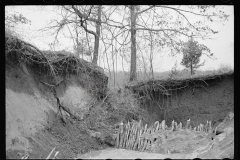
224,68
123,107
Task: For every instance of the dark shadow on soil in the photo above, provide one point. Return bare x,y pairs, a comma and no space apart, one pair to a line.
70,139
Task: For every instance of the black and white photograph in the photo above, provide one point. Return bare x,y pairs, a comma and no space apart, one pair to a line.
119,81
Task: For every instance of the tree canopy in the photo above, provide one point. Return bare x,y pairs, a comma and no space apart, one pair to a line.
136,35
192,51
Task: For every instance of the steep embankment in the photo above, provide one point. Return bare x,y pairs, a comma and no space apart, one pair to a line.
26,109
199,99
34,81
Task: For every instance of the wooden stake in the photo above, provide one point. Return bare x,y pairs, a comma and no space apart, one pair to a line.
210,127
117,139
136,139
120,135
163,125
187,124
160,126
140,139
175,126
128,134
145,129
201,127
172,126
145,145
157,126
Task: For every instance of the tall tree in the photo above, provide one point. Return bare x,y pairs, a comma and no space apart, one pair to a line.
81,18
192,51
96,45
133,67
172,23
171,26
83,22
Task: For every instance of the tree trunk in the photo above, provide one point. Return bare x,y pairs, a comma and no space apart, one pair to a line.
96,43
133,68
191,68
151,56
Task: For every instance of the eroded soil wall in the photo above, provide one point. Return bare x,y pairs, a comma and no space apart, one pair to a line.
211,102
33,125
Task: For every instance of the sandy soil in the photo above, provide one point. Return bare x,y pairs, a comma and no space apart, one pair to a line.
25,113
128,154
33,126
205,148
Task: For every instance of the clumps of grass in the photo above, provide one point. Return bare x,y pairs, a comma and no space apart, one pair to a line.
223,68
123,106
105,115
118,106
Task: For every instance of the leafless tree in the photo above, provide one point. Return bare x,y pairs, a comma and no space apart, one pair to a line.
171,24
163,26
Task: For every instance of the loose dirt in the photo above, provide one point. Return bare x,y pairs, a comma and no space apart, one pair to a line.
186,145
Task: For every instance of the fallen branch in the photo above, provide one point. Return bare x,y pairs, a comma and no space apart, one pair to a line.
69,111
50,153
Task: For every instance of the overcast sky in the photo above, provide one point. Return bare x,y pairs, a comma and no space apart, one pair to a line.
221,45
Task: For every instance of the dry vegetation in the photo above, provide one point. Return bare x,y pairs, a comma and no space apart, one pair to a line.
107,109
122,77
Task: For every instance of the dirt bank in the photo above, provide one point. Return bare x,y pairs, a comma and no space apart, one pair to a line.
199,99
34,123
58,100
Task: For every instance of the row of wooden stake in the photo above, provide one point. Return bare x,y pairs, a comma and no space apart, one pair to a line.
129,135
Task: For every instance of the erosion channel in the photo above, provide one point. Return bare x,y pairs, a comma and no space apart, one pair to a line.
58,102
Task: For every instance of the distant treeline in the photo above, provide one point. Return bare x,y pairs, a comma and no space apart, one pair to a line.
118,79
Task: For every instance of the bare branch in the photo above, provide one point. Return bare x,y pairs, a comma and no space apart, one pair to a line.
158,30
184,10
87,30
80,15
145,10
121,26
185,18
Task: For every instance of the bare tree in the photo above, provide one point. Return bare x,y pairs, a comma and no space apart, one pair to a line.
83,22
88,19
133,67
171,24
151,55
166,27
